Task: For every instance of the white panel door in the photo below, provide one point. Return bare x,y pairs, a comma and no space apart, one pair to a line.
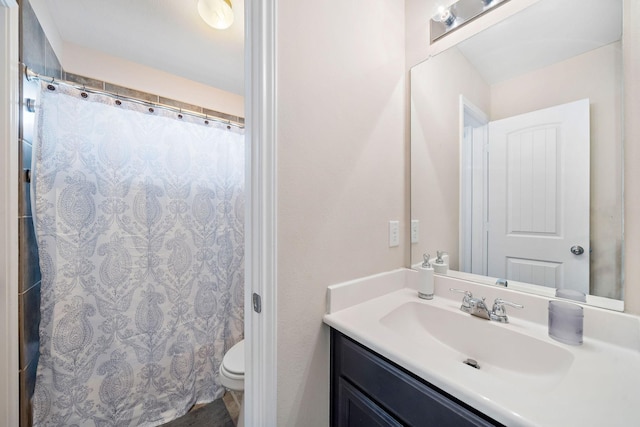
538,205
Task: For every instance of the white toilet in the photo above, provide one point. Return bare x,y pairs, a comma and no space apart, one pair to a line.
232,375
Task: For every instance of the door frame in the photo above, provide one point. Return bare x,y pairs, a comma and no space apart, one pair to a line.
472,226
9,111
261,233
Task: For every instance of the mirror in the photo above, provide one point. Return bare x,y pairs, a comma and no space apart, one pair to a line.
497,171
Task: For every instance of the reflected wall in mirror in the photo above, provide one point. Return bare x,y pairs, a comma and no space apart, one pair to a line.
496,180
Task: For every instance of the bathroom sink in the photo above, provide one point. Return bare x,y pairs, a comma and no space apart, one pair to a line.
525,378
498,348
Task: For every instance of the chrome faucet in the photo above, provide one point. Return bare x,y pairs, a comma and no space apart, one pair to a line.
499,313
466,300
477,307
471,305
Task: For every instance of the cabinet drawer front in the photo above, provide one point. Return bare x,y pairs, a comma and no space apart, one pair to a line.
408,399
357,410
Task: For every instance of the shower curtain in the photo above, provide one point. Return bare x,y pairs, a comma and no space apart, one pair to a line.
139,222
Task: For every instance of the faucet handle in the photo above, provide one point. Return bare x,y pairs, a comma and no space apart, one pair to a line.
466,293
466,300
499,313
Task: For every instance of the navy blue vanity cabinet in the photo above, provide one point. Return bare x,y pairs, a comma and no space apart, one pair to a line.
368,390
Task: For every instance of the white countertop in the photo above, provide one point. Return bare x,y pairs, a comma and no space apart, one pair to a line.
600,387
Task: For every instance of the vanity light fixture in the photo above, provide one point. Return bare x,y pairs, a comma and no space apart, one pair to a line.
445,16
447,19
216,13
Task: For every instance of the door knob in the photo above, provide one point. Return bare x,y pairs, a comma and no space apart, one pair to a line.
577,250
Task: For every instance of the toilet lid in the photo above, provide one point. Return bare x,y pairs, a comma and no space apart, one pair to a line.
233,361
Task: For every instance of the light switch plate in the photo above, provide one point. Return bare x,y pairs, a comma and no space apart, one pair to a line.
394,233
415,230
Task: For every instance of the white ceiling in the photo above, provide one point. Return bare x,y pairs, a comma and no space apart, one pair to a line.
168,35
543,34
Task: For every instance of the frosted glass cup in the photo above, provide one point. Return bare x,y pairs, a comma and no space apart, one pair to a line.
566,322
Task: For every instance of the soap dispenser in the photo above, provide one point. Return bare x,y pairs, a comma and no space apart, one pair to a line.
441,265
425,279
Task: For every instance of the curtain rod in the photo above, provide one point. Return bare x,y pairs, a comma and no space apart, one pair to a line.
32,75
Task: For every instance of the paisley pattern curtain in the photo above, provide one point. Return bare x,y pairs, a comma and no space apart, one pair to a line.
139,222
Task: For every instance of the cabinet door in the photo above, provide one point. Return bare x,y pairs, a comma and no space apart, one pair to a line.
407,400
357,410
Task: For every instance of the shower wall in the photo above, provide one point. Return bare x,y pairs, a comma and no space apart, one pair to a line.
37,54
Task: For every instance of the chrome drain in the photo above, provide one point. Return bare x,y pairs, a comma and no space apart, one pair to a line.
471,362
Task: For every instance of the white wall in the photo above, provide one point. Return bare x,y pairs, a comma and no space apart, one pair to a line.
436,86
341,175
97,65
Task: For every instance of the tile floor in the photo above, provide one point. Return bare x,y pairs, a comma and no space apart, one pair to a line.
219,413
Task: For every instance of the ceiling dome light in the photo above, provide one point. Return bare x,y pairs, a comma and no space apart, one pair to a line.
216,13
